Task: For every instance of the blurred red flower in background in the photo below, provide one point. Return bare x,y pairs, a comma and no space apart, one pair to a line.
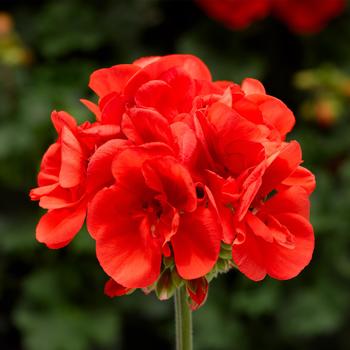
236,14
175,169
301,16
307,16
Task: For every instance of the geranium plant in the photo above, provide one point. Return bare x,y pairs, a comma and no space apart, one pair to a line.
179,178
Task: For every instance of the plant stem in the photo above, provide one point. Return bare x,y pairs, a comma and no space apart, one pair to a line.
183,320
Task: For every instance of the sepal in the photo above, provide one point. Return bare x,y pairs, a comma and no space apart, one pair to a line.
167,283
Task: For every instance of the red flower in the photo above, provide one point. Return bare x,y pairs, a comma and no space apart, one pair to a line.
149,211
278,239
175,168
236,14
307,16
258,225
302,16
62,179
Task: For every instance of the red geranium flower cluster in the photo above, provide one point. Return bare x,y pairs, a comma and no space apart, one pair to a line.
180,178
301,16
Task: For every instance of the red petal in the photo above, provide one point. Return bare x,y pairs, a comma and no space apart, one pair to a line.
126,168
249,110
181,81
284,263
100,132
197,243
47,202
252,86
205,135
113,79
167,226
231,126
281,167
186,140
293,200
94,135
249,258
114,289
145,61
142,125
158,95
241,155
259,228
99,171
113,108
278,114
61,119
280,233
223,203
255,257
125,247
50,165
227,222
58,227
249,189
36,193
59,198
275,113
92,107
166,175
198,292
301,177
155,67
108,203
189,63
72,161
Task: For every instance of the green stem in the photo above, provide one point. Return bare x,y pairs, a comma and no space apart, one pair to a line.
183,320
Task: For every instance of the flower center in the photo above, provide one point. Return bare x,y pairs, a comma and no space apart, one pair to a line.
153,210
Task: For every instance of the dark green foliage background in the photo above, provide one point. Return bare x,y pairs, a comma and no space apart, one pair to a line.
53,300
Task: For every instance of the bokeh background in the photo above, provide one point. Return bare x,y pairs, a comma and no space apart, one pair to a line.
53,300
